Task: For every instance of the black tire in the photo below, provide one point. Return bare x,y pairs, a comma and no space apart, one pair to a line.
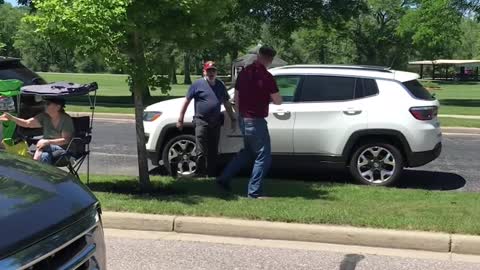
190,140
379,167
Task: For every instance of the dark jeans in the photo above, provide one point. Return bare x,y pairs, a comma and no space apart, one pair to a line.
207,136
256,149
48,153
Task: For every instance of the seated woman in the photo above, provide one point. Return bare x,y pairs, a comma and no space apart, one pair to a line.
57,128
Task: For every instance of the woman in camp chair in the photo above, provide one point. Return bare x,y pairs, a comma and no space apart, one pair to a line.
57,128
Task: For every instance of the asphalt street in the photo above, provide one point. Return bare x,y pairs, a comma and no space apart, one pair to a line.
131,250
114,153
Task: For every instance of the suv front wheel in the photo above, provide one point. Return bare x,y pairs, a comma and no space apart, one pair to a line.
379,164
179,156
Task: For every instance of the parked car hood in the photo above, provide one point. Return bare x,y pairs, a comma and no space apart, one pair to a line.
37,200
167,105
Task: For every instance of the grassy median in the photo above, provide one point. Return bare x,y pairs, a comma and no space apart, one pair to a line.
299,202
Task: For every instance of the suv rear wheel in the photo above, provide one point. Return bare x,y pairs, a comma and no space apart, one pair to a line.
378,164
180,154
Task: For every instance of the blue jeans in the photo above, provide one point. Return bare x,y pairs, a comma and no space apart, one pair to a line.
47,153
256,148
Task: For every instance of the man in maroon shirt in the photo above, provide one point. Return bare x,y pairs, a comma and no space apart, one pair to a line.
254,89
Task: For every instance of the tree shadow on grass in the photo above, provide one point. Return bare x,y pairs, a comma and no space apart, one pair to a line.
194,191
461,102
410,179
456,82
431,180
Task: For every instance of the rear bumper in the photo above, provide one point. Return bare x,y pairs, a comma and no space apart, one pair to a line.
417,159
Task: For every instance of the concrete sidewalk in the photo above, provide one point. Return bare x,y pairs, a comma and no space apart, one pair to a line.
416,240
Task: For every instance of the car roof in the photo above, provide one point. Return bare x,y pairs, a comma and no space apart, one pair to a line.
374,72
8,59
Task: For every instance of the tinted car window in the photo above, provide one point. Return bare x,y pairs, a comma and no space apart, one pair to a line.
15,70
365,88
327,88
287,86
417,90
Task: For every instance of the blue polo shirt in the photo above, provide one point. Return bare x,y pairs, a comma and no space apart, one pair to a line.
208,99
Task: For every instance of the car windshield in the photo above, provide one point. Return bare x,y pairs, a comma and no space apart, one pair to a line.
15,70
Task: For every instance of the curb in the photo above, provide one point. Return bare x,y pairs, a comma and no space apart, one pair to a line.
344,235
133,221
465,244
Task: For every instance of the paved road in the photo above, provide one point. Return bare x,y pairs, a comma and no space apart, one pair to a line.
114,152
154,250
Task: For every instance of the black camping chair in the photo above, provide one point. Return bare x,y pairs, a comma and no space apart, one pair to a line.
78,150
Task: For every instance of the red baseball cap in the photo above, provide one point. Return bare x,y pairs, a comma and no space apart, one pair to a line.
209,65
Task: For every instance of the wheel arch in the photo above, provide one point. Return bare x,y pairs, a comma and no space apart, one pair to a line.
170,131
393,137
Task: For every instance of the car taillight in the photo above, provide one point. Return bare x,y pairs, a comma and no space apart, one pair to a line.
424,113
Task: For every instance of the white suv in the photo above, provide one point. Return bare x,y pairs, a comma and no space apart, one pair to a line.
373,120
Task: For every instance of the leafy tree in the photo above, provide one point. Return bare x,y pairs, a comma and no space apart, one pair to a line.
325,45
40,52
11,18
121,30
433,27
286,16
375,33
470,40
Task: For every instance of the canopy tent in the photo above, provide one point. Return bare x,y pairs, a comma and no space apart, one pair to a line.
446,63
60,89
247,59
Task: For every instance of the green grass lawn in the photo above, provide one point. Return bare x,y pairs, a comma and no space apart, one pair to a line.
111,85
300,202
113,95
456,122
457,98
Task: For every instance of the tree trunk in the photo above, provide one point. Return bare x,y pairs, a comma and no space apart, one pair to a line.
187,79
173,70
234,54
139,86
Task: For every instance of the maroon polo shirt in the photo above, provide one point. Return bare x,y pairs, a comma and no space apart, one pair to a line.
255,85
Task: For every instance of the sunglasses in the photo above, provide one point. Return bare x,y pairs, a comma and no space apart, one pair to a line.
48,103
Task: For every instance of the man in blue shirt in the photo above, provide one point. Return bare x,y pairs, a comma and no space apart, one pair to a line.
209,93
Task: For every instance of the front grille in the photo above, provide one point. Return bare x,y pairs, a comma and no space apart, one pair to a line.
80,246
63,256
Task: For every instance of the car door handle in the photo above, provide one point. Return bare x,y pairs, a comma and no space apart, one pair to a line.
352,112
282,115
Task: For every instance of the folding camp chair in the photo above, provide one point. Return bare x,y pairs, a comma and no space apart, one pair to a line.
78,150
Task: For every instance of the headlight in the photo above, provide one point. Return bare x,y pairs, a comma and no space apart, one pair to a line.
151,116
96,237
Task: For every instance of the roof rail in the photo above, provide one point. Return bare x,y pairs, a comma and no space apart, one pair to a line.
357,67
